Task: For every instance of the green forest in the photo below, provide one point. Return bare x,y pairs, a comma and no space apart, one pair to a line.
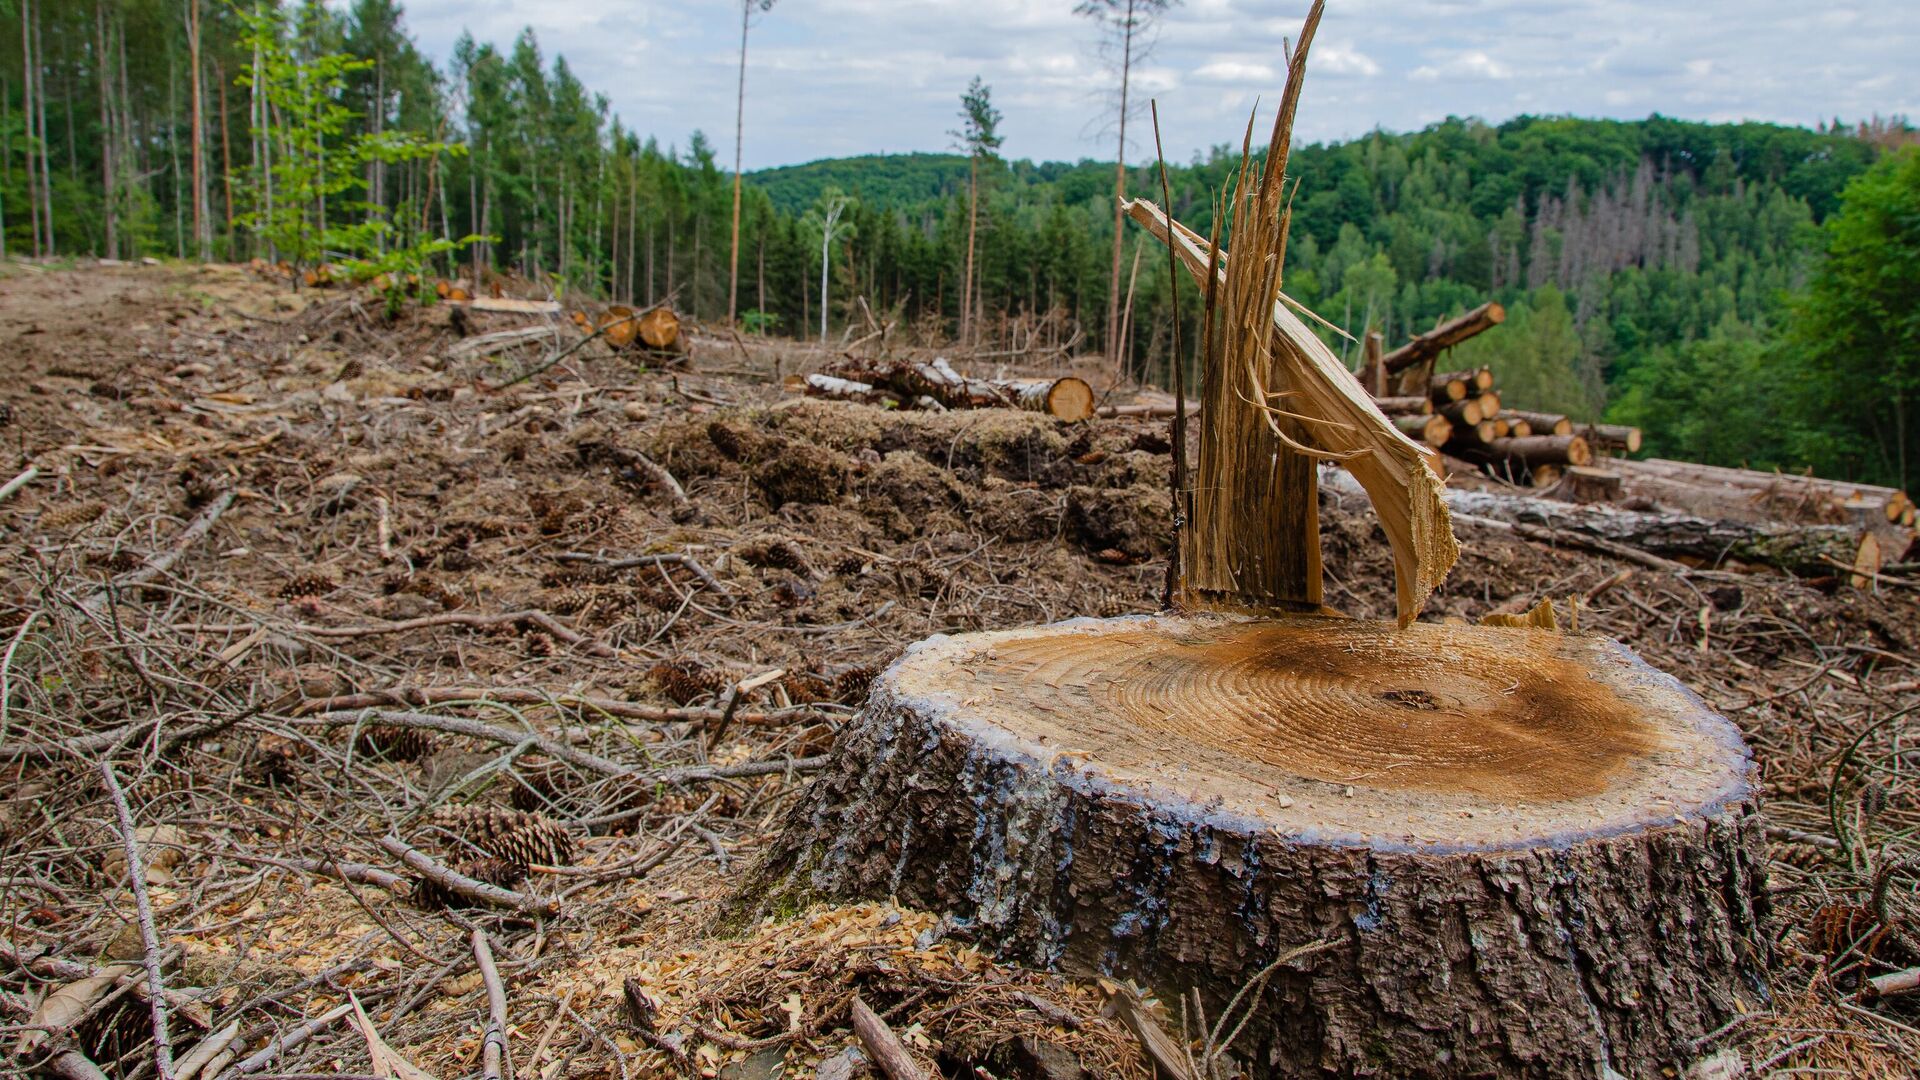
1746,293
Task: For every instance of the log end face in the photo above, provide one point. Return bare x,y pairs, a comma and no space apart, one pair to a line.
1434,738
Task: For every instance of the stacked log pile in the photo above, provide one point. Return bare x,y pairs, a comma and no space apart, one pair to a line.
1463,416
936,384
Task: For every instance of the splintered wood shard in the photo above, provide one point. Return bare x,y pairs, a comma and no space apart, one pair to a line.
1400,476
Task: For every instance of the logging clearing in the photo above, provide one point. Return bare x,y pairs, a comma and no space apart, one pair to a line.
522,680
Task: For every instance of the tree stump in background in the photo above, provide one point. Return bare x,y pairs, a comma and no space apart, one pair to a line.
1531,854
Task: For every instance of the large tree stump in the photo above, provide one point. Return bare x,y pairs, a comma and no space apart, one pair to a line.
1533,854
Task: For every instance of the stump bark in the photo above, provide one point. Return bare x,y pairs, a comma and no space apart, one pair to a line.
1532,854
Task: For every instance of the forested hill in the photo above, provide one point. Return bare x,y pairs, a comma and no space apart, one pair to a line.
1631,256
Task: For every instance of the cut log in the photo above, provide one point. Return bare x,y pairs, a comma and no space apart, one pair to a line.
1502,429
619,326
1613,437
821,385
1545,423
1416,405
1586,484
1152,409
1545,476
660,330
1067,398
1432,430
506,305
1477,381
1468,412
1445,388
1529,853
1425,347
1535,450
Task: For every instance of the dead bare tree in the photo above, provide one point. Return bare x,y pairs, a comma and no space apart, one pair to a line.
739,132
1127,25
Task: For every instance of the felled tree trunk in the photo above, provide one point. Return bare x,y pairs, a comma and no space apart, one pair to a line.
1527,853
1798,549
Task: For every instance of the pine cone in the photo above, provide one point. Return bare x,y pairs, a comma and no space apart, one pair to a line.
276,757
849,566
394,742
508,834
71,515
729,440
457,560
684,681
571,601
850,687
432,895
352,369
805,689
539,644
773,552
578,575
485,528
6,414
538,781
309,586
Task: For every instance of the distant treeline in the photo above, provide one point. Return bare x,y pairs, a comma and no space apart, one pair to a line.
1650,268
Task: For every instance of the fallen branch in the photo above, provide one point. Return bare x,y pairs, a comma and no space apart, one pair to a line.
143,908
261,1059
160,564
18,482
494,1043
518,695
536,617
661,478
887,1050
460,884
674,559
461,725
1895,982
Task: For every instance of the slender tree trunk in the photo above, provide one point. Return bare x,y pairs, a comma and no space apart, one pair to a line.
173,152
967,309
103,76
1120,191
6,160
761,304
226,153
633,222
739,131
26,108
46,167
826,246
202,227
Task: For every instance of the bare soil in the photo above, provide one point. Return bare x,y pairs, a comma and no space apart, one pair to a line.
413,530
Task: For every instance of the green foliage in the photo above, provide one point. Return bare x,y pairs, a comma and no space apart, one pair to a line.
1855,334
319,161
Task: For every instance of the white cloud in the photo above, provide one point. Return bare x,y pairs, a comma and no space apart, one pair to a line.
1472,64
1341,60
828,77
1234,71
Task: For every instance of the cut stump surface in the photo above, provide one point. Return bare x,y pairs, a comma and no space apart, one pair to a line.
1534,855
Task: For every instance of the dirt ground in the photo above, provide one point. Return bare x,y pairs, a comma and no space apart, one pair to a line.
401,526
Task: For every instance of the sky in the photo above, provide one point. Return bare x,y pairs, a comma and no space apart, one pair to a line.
831,78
